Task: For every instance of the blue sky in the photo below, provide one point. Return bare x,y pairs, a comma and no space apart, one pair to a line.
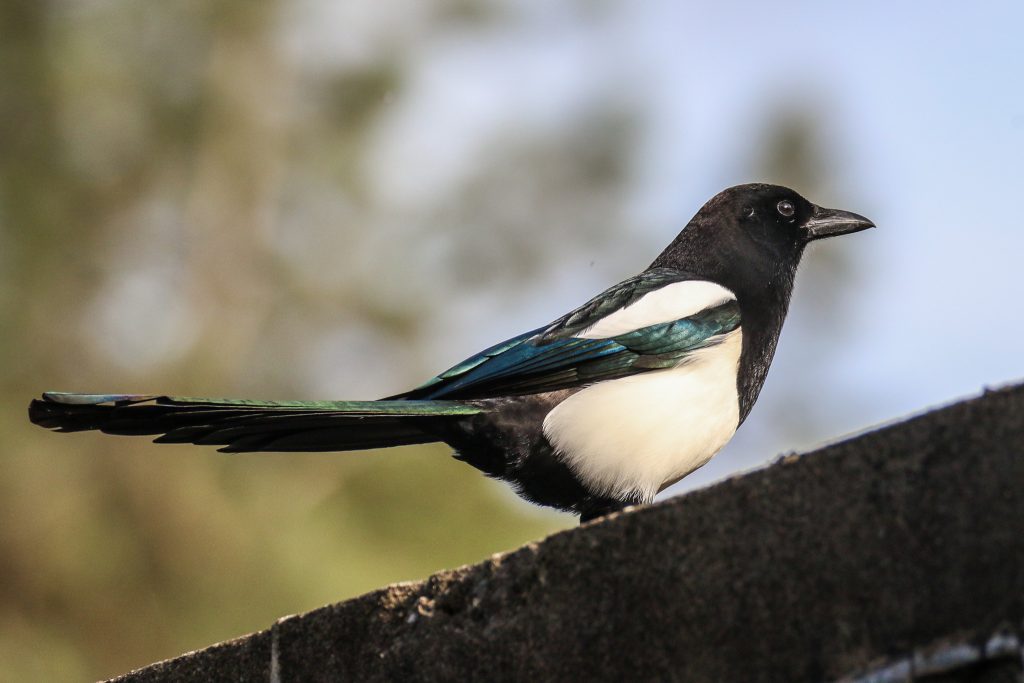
926,113
923,113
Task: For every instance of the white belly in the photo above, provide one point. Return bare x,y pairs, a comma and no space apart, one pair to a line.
637,434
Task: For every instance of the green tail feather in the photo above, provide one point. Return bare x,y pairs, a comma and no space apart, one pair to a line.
239,425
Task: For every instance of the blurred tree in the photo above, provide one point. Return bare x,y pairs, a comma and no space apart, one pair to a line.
269,199
189,203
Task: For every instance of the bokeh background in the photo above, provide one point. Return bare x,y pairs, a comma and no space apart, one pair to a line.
321,199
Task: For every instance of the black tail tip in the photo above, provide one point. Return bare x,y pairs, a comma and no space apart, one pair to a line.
44,413
66,412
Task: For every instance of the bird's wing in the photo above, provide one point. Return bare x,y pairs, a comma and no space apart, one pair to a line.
649,322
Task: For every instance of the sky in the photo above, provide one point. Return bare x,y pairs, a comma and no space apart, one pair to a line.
928,129
923,126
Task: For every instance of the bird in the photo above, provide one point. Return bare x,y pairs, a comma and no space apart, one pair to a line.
597,411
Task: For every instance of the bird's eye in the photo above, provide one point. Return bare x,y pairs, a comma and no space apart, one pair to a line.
786,208
748,212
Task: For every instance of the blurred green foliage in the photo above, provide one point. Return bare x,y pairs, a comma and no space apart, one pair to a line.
196,199
185,207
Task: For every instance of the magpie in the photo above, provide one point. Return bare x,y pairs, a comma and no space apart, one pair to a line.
601,409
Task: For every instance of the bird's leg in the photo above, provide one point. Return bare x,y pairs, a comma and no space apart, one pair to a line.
600,508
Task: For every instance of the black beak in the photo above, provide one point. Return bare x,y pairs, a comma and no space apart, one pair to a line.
830,222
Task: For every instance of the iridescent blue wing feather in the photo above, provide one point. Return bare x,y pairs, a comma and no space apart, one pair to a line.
555,357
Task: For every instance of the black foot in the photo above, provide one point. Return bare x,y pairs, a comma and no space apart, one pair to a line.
600,510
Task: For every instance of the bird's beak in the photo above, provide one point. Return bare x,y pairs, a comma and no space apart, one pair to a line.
830,222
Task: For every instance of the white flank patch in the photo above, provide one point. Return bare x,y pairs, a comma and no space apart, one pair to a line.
637,434
672,302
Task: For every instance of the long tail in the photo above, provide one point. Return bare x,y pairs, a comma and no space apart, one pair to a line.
239,425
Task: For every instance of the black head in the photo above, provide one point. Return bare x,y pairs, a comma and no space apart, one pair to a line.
754,235
749,239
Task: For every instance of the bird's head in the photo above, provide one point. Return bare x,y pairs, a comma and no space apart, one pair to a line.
778,216
754,231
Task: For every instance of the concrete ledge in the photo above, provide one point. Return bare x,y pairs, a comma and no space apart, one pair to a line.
844,563
245,659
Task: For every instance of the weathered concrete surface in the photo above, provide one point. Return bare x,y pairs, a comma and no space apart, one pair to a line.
814,569
245,659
